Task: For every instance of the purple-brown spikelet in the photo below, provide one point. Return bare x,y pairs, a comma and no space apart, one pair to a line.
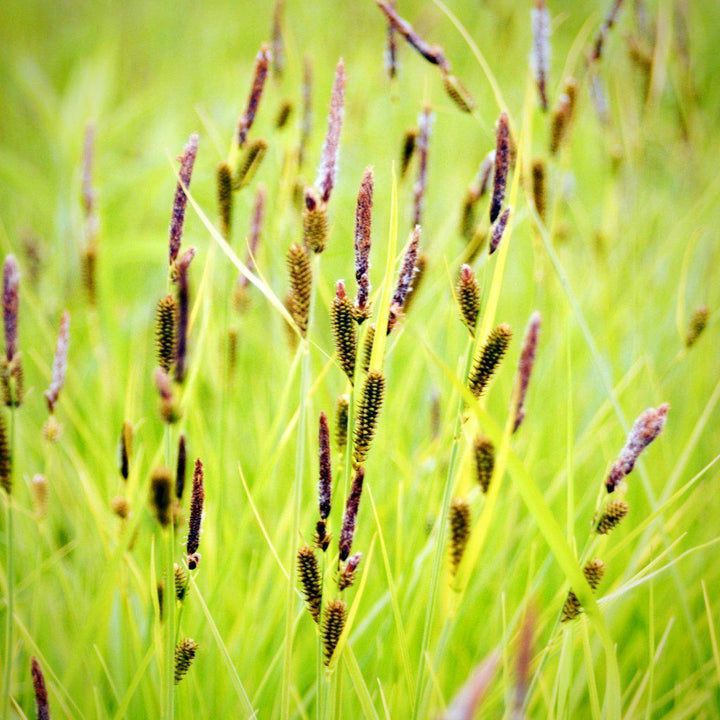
697,325
432,53
484,461
59,367
593,572
645,429
371,400
88,192
408,150
169,410
334,620
184,655
391,48
611,516
420,268
502,165
539,187
425,123
165,335
459,532
350,517
181,467
5,457
125,449
605,28
310,580
196,515
327,170
486,173
300,286
283,114
315,221
177,221
498,230
525,366
325,471
256,227
458,93
347,575
540,57
468,297
11,305
363,226
278,42
41,697
306,123
342,314
161,495
183,313
224,181
488,359
406,277
341,422
260,72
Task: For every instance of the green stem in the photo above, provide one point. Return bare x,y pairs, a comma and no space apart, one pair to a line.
169,601
10,565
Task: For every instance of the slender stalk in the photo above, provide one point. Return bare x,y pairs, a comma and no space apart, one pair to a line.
10,565
420,690
169,601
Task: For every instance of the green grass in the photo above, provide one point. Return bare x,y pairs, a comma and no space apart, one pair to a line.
628,252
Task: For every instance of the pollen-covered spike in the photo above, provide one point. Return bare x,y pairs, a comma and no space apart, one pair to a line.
611,516
468,297
325,468
484,461
165,332
310,580
300,286
371,400
177,221
184,655
347,534
525,366
459,532
344,331
502,165
196,514
315,221
363,226
260,71
488,359
327,170
333,624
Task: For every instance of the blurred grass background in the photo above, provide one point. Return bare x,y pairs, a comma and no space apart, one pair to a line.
636,220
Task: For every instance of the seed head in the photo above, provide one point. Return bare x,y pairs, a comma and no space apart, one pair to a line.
165,332
611,516
352,506
698,323
325,472
300,286
367,348
484,461
502,165
11,305
39,487
260,72
183,313
562,115
184,656
181,467
333,624
125,449
407,271
425,123
488,359
181,582
363,223
498,230
371,400
538,187
169,410
540,57
283,114
408,150
343,326
12,377
310,580
458,93
525,366
5,457
341,422
196,514
41,696
249,163
177,221
161,495
459,531
645,429
468,297
224,179
349,571
593,571
89,273
327,170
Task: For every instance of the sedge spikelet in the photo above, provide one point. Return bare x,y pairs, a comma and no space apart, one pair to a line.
300,286
488,359
367,348
283,114
39,488
184,655
341,422
181,582
347,575
343,326
333,624
165,332
458,93
181,467
459,532
249,164
327,169
502,165
5,457
408,150
525,366
605,28
315,221
177,221
363,227
52,429
324,468
611,516
593,571
310,580
425,123
223,175
371,400
59,367
539,187
89,273
196,515
406,279
11,306
698,323
484,461
125,449
41,697
420,268
347,534
182,267
468,297
540,57
12,377
260,72
562,115
161,495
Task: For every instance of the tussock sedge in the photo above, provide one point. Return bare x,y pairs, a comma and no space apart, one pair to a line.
293,463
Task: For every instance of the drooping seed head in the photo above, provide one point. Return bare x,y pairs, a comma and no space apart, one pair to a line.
184,655
525,365
488,359
333,624
161,495
484,461
342,315
502,165
611,516
177,221
327,170
468,297
698,323
300,286
352,506
363,224
645,429
540,56
460,521
41,697
59,367
196,514
260,72
349,571
310,580
371,400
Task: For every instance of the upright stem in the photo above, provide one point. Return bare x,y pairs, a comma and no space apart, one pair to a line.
169,600
10,565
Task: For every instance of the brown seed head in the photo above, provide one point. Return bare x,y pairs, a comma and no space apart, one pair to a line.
184,656
196,512
165,332
181,467
41,697
408,150
333,624
458,93
161,495
349,571
460,521
5,457
698,323
249,163
11,305
484,461
525,366
342,314
468,297
538,187
262,64
125,450
371,400
498,230
325,472
425,123
300,286
363,223
315,221
488,359
223,175
310,580
502,165
611,516
352,506
177,221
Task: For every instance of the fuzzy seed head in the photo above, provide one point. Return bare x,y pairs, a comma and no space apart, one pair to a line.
367,348
5,457
181,467
325,472
341,422
594,572
333,624
502,165
177,221
484,461
498,230
196,510
184,656
41,697
460,521
488,359
350,517
310,580
161,495
260,72
363,226
327,170
342,314
371,400
614,512
165,332
468,297
11,305
300,286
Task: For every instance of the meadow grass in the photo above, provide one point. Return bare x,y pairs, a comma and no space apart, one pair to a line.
617,255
